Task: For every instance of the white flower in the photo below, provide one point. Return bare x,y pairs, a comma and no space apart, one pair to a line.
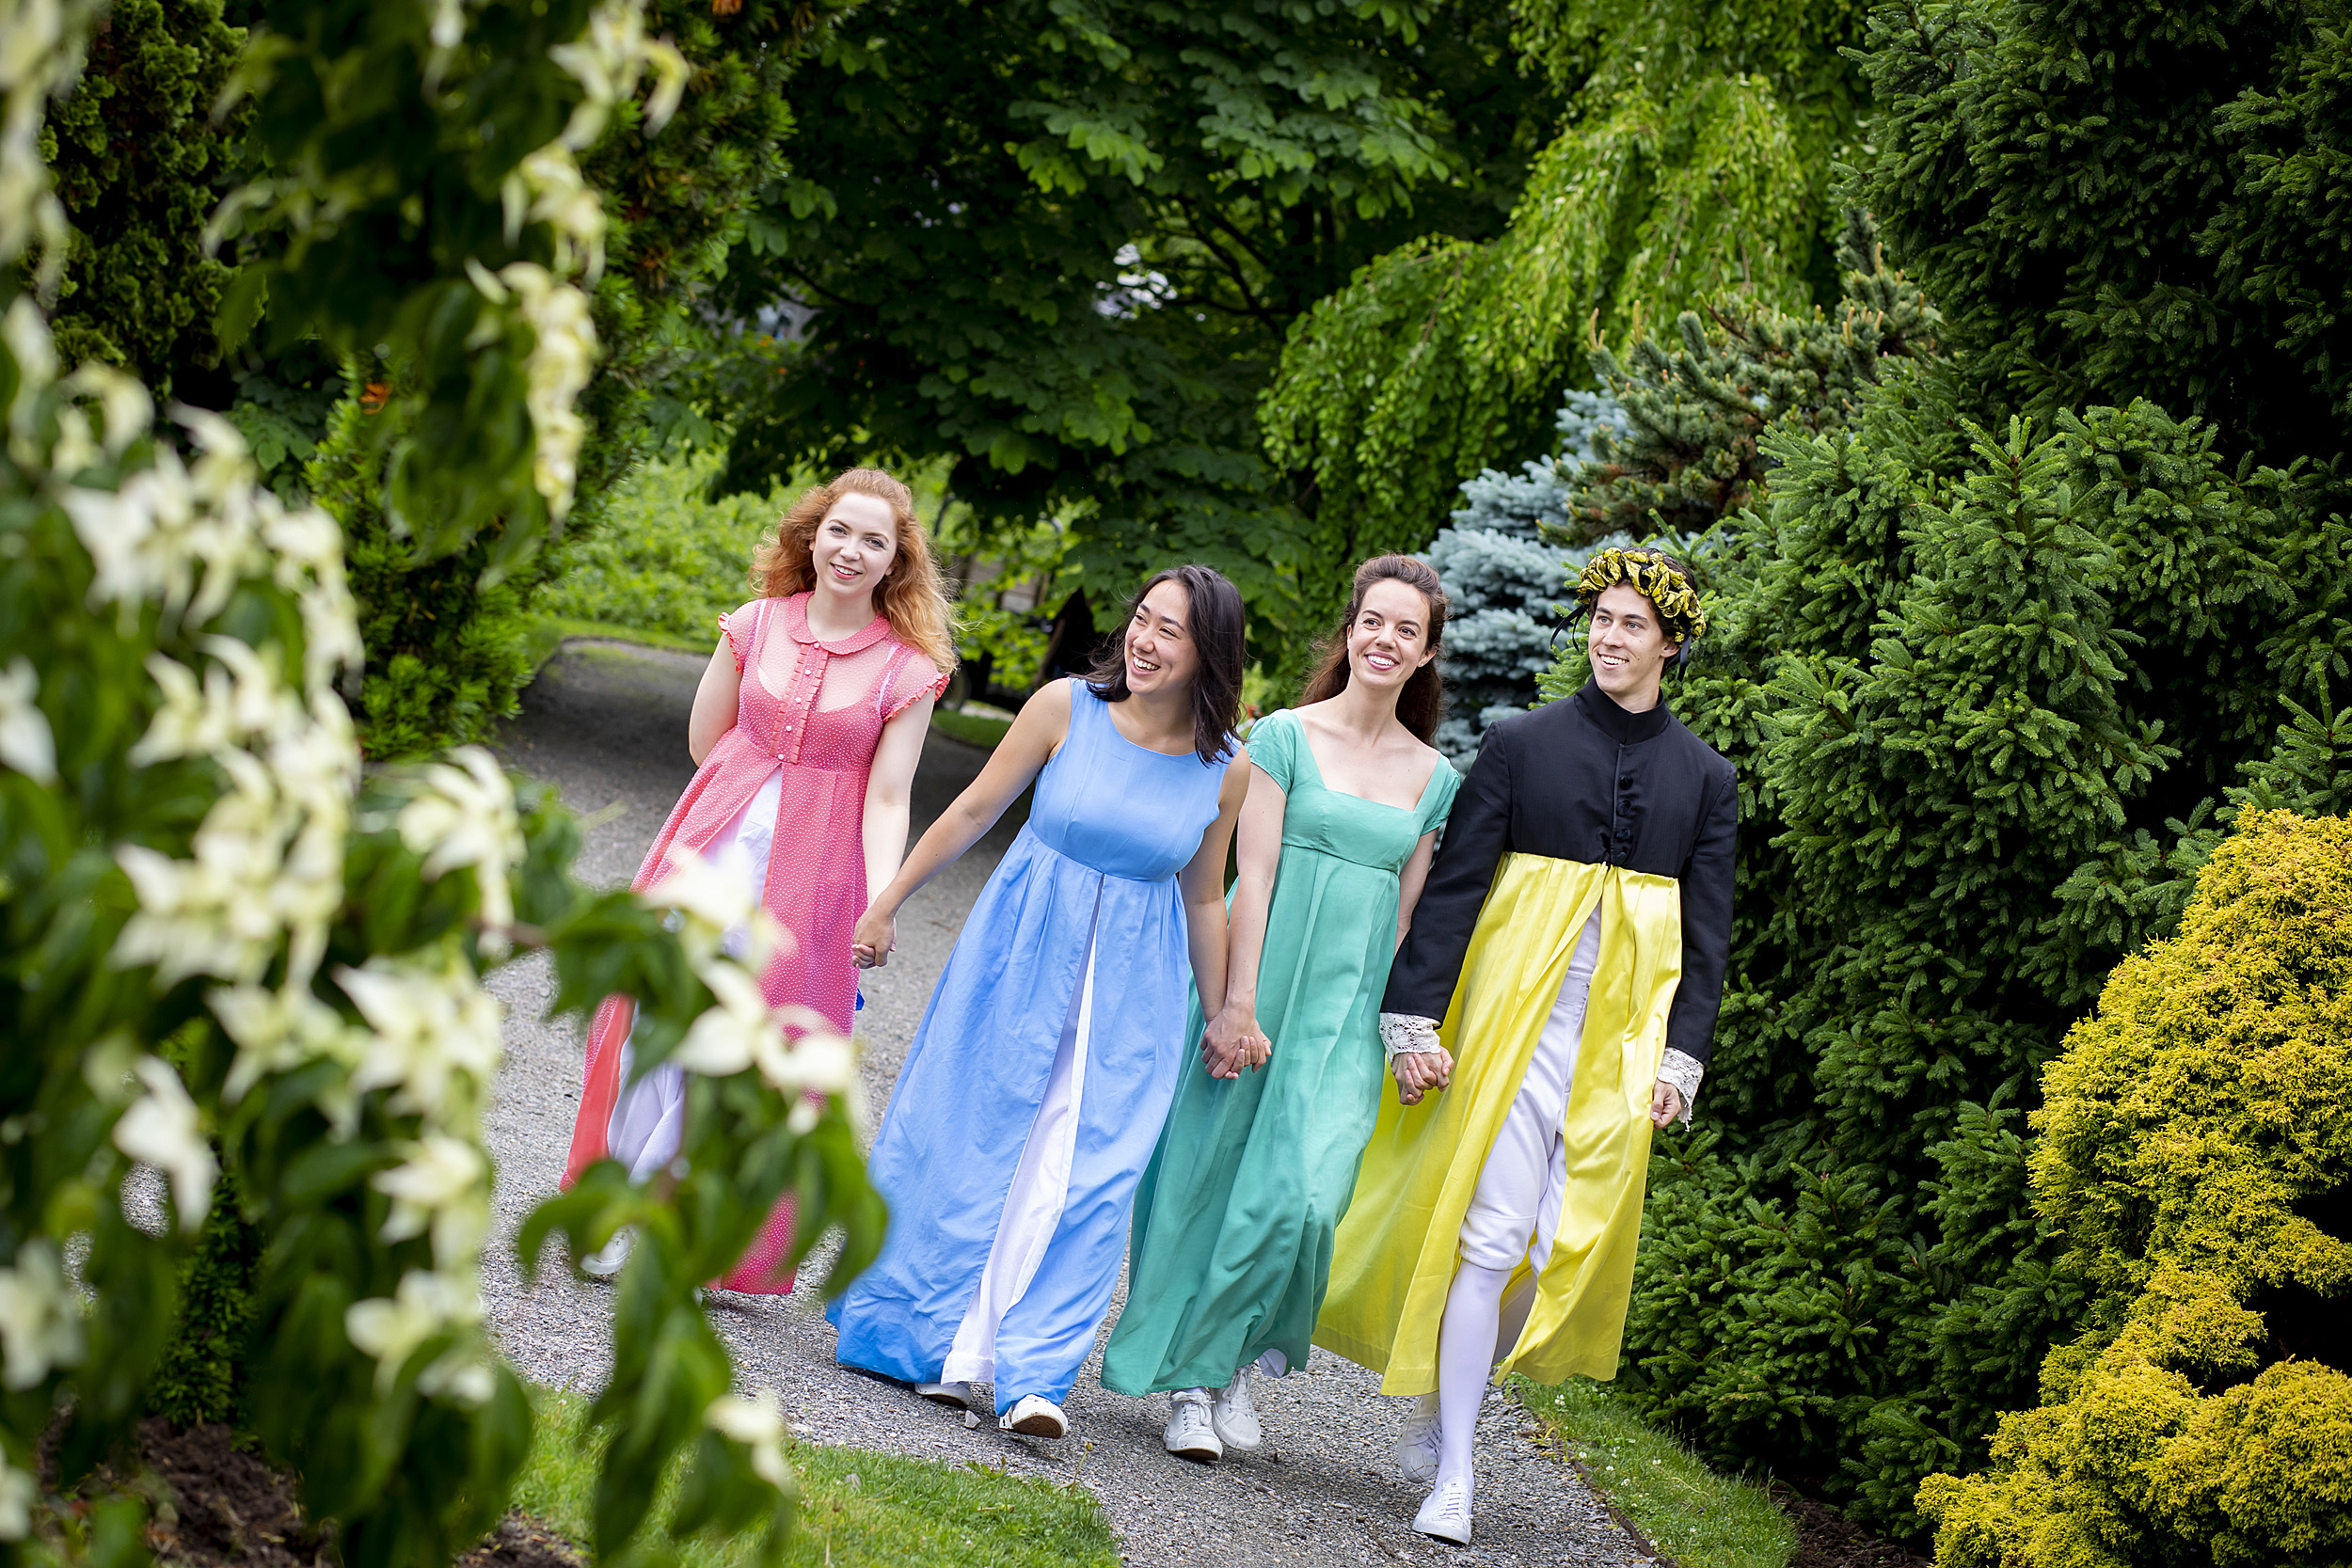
149,538
462,1375
17,1495
223,913
26,742
445,1184
465,815
436,1034
742,1031
758,1424
277,1031
128,409
391,1330
41,1321
160,1129
720,906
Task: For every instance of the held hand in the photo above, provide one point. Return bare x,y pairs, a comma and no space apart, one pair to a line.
1665,1103
876,934
1225,1045
1419,1072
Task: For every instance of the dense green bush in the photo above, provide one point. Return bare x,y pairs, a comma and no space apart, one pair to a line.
1983,710
2195,1153
666,559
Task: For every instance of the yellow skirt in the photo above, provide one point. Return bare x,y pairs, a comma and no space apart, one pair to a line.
1394,1256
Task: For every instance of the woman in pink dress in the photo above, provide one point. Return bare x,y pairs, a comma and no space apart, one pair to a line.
813,709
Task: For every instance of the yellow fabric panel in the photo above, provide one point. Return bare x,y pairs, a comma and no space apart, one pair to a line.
1394,1256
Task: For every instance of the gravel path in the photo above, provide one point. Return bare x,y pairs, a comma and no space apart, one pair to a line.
606,724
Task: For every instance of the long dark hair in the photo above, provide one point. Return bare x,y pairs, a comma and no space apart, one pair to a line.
1213,618
1421,703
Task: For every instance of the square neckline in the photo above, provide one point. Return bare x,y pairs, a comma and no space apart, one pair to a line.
1307,744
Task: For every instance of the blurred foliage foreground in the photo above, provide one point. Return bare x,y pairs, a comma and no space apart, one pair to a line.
228,953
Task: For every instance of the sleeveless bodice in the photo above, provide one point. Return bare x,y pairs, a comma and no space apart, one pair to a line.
836,697
1119,808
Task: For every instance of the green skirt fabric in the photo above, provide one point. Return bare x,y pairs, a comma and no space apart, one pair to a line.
1231,1249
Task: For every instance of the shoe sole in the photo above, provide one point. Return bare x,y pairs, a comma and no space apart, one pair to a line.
1202,1455
1461,1540
1237,1444
1039,1426
941,1396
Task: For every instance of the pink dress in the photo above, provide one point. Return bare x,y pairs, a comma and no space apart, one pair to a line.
800,754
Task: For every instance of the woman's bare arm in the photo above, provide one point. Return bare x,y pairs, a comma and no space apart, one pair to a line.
1233,1033
1408,882
716,700
1202,885
889,788
1039,729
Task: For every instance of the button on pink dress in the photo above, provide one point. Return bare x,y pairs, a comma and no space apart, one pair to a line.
784,790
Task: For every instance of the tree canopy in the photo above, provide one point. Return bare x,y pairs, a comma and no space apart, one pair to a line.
1062,242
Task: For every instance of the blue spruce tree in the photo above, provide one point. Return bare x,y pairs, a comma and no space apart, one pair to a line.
1506,582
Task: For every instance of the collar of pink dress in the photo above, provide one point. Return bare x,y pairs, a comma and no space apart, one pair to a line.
795,622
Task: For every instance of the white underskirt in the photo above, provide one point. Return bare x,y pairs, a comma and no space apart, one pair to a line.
1040,1192
648,1123
1515,1211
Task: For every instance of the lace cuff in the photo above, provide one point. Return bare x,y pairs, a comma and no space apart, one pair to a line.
1405,1033
1683,1071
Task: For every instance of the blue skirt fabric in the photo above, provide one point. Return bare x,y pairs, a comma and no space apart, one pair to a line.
1090,878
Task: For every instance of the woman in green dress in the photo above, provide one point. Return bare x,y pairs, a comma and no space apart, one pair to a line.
1232,1244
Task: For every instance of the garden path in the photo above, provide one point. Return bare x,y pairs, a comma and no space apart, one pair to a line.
606,724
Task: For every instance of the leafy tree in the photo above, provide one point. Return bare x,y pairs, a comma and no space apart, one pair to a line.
2128,201
1694,159
1061,241
229,953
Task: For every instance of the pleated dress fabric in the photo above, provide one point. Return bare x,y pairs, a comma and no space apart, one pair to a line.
1038,1081
1232,1244
781,796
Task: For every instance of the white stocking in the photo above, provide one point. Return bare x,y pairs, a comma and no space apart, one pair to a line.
1466,1348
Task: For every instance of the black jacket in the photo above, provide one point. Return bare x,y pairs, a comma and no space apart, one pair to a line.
1583,780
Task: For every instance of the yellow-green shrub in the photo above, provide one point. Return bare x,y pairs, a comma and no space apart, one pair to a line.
2195,1133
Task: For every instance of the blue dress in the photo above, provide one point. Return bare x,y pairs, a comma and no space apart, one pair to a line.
1034,1091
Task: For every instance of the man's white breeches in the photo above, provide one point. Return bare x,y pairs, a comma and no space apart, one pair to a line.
1519,1187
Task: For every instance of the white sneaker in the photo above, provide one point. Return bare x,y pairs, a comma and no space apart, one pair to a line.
1234,1415
1447,1514
1417,1451
1191,1433
957,1394
606,1261
1035,1417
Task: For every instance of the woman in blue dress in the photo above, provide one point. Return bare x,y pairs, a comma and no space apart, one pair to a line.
1035,1089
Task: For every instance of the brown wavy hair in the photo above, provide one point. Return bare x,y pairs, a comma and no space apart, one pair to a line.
1421,703
912,597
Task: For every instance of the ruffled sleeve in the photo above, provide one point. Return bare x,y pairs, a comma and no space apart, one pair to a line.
1438,804
1273,746
916,679
741,629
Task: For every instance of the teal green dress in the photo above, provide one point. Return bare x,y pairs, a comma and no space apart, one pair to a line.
1230,1248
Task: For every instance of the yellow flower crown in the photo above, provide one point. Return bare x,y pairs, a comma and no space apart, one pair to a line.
1677,601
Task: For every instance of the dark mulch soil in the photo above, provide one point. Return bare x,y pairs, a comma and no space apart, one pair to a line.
522,1541
224,1508
1826,1540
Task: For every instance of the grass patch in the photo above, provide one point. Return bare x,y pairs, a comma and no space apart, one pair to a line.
857,1508
1694,1515
974,729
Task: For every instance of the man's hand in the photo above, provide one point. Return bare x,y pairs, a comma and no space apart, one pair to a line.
1419,1072
1665,1103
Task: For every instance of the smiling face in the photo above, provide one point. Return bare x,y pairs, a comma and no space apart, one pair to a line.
1161,655
1629,649
1388,639
856,542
